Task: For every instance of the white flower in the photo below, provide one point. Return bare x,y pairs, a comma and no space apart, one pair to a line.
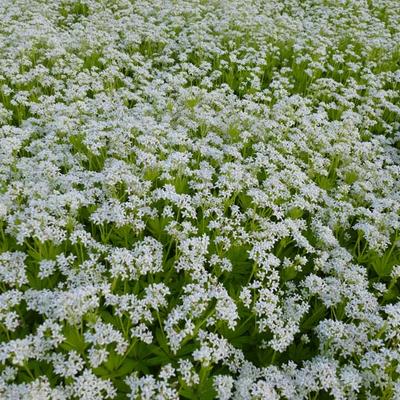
46,268
12,268
223,385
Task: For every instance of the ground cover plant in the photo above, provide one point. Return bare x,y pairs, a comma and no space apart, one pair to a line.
199,199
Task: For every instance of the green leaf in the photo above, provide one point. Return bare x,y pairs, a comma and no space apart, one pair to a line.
391,294
206,390
239,331
101,371
157,360
299,353
288,273
245,200
186,393
127,367
187,349
162,341
122,387
383,265
350,177
114,361
317,314
295,213
241,265
107,317
74,341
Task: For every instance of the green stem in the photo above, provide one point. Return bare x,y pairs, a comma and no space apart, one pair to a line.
245,322
273,357
6,331
127,352
253,271
197,328
29,371
160,323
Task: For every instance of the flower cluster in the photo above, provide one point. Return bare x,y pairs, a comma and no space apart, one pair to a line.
200,199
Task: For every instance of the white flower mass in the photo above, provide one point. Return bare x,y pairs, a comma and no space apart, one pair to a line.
199,199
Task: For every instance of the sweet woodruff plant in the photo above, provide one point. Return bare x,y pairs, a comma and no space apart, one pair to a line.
199,199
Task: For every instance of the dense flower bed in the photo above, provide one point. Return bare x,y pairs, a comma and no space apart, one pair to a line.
199,199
